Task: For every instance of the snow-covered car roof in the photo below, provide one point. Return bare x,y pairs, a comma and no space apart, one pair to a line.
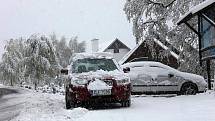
188,76
142,63
105,55
146,63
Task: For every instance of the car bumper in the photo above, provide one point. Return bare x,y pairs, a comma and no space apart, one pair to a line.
202,87
118,94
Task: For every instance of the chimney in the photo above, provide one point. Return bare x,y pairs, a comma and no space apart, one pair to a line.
95,45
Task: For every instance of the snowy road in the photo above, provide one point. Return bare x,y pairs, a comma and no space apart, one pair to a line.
51,107
9,104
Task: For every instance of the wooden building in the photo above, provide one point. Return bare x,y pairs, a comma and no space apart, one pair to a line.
142,52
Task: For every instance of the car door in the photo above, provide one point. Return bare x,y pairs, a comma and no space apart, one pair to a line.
139,79
164,80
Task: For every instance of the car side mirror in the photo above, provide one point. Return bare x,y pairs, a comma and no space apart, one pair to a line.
170,75
64,71
126,70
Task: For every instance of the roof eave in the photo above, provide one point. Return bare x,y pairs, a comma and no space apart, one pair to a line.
194,12
185,19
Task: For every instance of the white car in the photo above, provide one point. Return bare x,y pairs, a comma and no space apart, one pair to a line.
150,76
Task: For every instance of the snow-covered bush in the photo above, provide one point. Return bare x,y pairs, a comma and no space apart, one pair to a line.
52,89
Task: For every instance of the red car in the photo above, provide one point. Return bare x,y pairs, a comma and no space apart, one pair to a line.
96,78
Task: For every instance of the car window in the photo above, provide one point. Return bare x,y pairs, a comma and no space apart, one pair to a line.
86,65
137,66
159,71
153,66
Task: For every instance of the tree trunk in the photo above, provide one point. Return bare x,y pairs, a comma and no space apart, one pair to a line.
11,80
35,85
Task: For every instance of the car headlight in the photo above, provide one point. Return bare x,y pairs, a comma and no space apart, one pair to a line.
122,81
81,81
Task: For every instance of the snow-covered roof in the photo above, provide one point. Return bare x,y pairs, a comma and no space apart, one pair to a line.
129,54
105,45
196,9
137,46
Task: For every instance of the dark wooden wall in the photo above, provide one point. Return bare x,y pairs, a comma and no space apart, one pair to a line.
144,51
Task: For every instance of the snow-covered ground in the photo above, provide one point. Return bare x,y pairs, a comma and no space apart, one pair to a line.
51,107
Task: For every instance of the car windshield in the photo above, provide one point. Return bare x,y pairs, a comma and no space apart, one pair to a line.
87,65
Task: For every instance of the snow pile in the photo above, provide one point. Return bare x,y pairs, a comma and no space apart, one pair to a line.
1,85
47,107
98,85
78,112
52,89
148,108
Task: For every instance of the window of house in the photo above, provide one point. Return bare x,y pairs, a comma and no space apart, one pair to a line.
208,36
116,50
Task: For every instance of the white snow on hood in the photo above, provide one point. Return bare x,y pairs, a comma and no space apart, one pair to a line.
100,74
192,77
98,85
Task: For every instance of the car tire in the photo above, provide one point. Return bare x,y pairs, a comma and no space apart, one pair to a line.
126,103
68,102
189,89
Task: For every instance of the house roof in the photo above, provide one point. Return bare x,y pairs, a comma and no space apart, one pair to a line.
195,10
106,45
138,45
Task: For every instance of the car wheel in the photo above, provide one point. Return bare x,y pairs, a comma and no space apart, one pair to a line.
189,89
68,102
126,103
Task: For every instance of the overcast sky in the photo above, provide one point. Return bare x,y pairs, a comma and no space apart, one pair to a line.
87,19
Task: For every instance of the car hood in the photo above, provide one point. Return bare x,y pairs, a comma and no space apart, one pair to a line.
192,77
100,74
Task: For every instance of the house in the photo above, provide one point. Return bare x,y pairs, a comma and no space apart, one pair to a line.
116,47
143,52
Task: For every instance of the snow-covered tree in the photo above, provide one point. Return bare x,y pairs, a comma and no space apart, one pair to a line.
10,67
75,46
40,59
65,50
156,19
37,60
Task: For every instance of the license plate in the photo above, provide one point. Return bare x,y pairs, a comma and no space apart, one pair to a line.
100,92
